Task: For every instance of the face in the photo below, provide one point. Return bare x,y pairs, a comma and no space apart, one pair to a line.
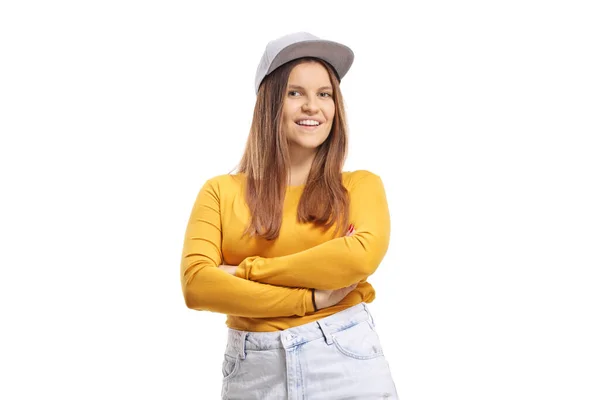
308,108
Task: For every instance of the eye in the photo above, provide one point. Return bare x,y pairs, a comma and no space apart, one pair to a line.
293,93
325,94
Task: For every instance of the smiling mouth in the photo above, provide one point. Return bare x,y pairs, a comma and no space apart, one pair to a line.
308,123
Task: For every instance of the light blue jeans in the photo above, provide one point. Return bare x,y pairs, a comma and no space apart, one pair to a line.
337,357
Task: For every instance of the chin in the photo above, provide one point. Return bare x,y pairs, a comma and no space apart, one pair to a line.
309,144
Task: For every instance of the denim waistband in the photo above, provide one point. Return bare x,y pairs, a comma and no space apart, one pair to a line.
238,342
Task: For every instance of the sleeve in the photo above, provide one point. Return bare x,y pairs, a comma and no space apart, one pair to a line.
339,262
206,287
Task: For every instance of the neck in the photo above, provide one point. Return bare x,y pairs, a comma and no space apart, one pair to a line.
300,163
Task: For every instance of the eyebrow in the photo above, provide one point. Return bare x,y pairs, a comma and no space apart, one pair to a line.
300,87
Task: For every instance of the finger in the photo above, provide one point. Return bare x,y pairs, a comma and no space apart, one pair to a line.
350,230
349,289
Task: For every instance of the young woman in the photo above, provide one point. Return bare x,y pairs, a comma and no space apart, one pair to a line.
285,246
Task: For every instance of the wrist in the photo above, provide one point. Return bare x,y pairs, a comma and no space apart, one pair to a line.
314,301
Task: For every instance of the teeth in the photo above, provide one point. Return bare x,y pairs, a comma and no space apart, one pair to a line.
308,122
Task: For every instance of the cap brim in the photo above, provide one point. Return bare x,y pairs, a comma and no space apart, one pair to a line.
339,56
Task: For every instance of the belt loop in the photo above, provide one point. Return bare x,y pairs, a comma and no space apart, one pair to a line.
242,345
371,320
325,331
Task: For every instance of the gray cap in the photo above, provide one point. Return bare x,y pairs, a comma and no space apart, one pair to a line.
303,44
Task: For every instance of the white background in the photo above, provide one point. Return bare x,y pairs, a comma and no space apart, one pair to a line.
482,118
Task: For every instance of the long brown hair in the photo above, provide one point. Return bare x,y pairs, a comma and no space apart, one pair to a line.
266,162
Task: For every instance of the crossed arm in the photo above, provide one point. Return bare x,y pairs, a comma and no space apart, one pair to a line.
280,286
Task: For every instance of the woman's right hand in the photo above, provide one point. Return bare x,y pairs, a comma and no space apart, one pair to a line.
328,298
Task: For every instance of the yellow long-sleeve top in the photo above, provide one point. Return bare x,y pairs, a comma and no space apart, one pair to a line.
272,287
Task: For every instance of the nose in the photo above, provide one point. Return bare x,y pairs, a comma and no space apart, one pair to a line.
310,105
